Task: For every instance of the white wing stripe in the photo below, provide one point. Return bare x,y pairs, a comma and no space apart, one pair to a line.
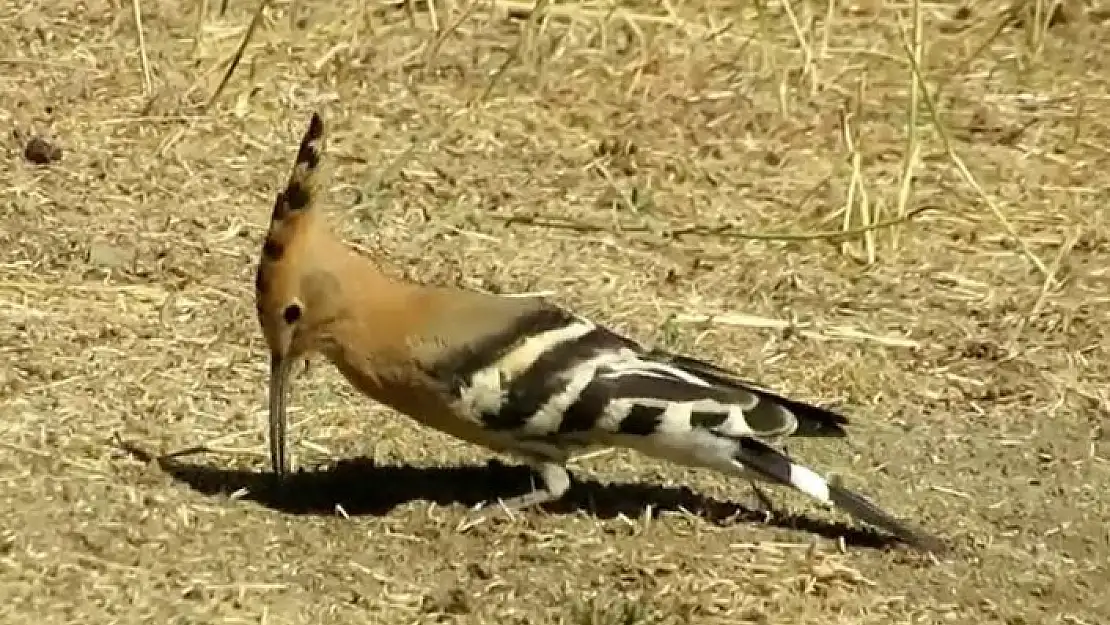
486,391
548,418
633,365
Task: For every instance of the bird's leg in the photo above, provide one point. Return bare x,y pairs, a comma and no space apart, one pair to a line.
763,502
555,483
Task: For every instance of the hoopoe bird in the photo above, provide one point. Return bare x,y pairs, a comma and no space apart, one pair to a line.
520,376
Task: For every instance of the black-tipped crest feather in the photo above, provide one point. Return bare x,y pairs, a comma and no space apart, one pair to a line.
299,190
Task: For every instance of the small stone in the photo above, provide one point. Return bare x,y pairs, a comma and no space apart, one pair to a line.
41,152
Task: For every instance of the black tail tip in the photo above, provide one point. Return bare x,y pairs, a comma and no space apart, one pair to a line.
863,509
922,541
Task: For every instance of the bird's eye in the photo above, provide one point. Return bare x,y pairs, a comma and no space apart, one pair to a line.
291,313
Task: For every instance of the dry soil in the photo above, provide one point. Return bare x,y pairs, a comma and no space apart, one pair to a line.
630,163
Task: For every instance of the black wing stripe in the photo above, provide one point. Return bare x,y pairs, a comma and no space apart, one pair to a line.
642,420
812,420
726,410
547,376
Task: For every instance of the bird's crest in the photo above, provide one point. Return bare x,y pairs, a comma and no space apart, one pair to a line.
295,204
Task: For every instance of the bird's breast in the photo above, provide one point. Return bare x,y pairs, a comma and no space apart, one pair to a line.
404,388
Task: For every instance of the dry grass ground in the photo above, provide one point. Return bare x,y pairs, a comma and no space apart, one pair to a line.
635,154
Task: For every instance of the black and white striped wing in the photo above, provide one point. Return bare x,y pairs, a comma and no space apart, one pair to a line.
557,375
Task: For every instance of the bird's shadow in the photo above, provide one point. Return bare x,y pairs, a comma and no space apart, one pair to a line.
363,487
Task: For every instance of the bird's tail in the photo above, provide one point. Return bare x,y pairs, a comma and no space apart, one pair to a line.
777,467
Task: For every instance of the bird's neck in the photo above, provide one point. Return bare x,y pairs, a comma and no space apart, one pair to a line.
366,308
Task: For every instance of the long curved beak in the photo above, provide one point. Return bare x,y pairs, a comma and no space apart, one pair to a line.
279,381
